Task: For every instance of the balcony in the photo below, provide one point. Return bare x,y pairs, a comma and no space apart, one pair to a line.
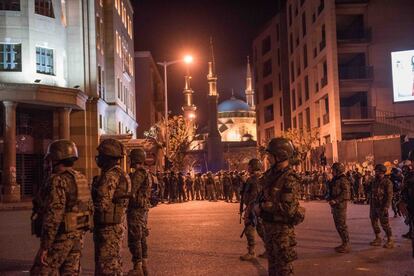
355,72
354,36
358,113
351,1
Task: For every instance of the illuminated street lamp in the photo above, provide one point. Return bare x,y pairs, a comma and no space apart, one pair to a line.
187,59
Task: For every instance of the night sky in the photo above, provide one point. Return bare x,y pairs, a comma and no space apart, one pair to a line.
170,29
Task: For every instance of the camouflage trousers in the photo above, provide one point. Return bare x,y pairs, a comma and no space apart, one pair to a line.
108,241
137,234
211,193
280,245
381,215
63,258
250,234
339,217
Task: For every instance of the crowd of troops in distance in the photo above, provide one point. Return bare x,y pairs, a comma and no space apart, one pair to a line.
67,206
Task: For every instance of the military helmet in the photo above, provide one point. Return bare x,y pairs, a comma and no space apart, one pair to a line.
60,150
137,156
338,168
112,148
380,168
281,148
255,164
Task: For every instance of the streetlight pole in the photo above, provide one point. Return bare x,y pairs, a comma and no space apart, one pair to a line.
187,59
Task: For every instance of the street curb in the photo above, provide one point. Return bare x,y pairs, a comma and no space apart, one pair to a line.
7,207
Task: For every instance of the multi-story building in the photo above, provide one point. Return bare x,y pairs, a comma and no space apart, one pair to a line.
66,71
149,92
339,66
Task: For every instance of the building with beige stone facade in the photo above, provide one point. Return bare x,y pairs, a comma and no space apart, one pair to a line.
338,69
66,71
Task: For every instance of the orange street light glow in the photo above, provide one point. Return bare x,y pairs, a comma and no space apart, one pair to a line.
188,59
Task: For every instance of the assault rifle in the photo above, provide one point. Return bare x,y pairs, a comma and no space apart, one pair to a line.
252,220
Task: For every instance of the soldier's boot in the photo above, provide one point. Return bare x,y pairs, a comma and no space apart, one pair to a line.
343,248
137,270
389,244
250,256
377,241
145,267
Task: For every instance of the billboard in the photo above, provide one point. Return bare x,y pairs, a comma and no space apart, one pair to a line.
403,75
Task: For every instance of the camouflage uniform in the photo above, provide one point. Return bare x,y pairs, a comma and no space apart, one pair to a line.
189,187
64,192
235,186
339,195
227,187
198,183
110,191
381,191
210,187
137,215
250,191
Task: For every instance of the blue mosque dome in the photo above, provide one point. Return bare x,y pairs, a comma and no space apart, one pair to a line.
233,105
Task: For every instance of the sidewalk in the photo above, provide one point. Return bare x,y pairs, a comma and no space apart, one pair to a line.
25,204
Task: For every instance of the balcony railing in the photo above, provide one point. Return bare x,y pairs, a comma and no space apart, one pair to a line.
354,36
355,72
351,1
358,112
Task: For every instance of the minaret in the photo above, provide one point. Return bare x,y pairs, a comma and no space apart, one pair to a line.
249,87
189,108
214,145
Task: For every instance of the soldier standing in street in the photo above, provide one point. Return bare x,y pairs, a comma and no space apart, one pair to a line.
137,212
380,202
338,197
110,191
251,190
181,188
173,187
278,206
189,187
226,186
65,213
210,187
198,182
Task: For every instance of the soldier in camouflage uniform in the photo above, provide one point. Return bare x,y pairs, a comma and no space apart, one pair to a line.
210,187
338,197
198,183
189,187
173,181
110,191
278,206
64,215
251,189
227,187
137,212
380,202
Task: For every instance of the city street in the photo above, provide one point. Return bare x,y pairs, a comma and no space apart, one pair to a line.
202,238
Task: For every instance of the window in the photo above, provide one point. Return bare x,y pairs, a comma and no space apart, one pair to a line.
290,15
44,61
293,99
294,122
119,127
99,73
300,119
306,88
44,7
268,113
119,88
280,82
277,32
303,24
268,91
11,57
267,68
269,133
278,56
266,45
305,56
299,94
10,5
280,107
291,43
100,121
292,72
308,120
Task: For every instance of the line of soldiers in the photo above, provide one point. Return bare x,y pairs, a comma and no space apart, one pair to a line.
176,187
67,206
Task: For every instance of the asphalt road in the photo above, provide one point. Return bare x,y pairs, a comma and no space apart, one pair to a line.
202,238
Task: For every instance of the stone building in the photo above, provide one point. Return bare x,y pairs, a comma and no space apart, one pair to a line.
332,59
66,71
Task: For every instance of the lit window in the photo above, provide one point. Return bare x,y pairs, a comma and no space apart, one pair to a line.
63,12
44,7
10,5
44,61
11,57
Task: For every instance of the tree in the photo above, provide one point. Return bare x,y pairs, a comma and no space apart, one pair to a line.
179,138
303,140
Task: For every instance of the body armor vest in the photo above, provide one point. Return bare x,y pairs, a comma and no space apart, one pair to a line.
141,192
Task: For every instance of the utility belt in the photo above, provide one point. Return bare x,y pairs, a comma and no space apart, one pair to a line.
114,215
271,218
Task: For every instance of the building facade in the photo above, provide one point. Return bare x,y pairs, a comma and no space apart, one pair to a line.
149,92
339,68
59,66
